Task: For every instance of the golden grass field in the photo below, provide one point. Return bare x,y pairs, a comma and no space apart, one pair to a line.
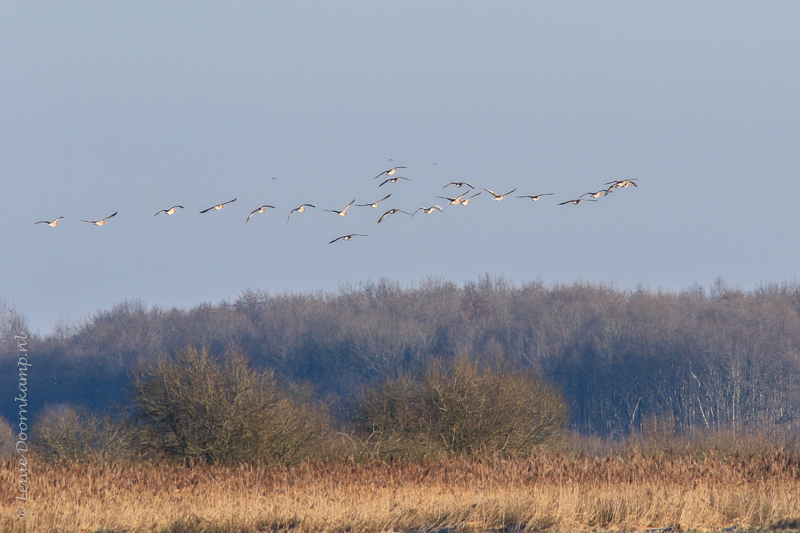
568,491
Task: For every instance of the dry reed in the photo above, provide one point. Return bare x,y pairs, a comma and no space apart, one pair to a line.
565,491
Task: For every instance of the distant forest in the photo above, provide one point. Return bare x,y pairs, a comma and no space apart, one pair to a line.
711,358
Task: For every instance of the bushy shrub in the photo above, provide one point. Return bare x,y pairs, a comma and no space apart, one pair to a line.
195,406
63,433
300,429
461,408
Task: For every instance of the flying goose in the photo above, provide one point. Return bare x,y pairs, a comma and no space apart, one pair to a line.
428,210
453,201
459,184
392,212
299,210
393,180
376,203
621,184
388,172
51,223
343,212
536,197
218,206
498,197
100,222
258,210
468,199
602,192
170,211
577,201
347,237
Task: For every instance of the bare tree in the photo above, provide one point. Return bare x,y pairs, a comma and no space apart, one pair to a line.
222,411
462,408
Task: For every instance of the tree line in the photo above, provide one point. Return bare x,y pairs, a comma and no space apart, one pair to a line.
711,358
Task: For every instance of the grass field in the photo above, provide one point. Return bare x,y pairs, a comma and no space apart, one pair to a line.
557,491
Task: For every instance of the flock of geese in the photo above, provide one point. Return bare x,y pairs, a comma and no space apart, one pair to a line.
462,199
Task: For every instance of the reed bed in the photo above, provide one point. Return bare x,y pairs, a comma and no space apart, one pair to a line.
549,491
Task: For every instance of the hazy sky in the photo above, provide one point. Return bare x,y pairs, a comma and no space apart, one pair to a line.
134,107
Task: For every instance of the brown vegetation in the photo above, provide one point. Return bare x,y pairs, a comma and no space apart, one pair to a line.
195,406
230,443
460,408
709,487
65,434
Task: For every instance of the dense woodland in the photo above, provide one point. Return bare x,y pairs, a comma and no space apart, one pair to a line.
699,358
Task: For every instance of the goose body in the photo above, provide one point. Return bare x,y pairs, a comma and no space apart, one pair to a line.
391,212
468,199
393,180
100,222
536,197
498,197
577,201
258,210
429,210
459,184
298,210
621,184
347,237
453,201
343,212
388,172
52,223
375,204
170,211
218,206
597,194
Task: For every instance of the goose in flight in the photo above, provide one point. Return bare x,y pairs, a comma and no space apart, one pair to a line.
343,212
621,184
597,194
258,210
498,197
347,237
299,210
468,199
392,212
453,201
218,206
51,223
577,201
428,210
374,204
536,197
388,172
393,180
459,184
100,222
170,211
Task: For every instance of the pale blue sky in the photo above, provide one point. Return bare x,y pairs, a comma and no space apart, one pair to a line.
134,107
